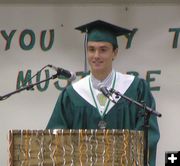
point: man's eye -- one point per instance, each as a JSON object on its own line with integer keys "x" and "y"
{"x": 103, "y": 49}
{"x": 91, "y": 49}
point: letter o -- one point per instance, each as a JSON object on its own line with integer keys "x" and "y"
{"x": 31, "y": 43}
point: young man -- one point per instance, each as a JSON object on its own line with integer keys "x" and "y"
{"x": 82, "y": 106}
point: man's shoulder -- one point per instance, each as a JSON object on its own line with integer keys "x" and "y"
{"x": 126, "y": 78}
{"x": 82, "y": 82}
{"x": 136, "y": 79}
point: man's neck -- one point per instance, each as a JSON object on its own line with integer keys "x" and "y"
{"x": 107, "y": 81}
{"x": 101, "y": 76}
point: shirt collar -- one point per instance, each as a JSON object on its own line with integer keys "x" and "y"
{"x": 106, "y": 82}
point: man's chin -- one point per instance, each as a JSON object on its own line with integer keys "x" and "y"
{"x": 97, "y": 69}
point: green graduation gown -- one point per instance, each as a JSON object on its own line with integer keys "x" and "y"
{"x": 75, "y": 109}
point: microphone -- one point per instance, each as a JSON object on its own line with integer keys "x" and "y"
{"x": 106, "y": 92}
{"x": 60, "y": 71}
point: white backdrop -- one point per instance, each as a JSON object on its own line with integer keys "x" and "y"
{"x": 151, "y": 49}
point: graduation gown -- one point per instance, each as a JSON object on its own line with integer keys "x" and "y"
{"x": 75, "y": 109}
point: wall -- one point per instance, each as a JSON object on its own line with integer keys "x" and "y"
{"x": 151, "y": 49}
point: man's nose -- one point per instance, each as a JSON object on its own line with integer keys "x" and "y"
{"x": 96, "y": 54}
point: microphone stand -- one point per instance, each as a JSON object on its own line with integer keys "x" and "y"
{"x": 28, "y": 87}
{"x": 147, "y": 113}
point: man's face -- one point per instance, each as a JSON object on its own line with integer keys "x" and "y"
{"x": 100, "y": 56}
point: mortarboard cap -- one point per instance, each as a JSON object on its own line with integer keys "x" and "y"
{"x": 102, "y": 31}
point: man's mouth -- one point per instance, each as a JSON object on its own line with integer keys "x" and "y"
{"x": 97, "y": 62}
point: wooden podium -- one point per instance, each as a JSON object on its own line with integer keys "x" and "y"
{"x": 75, "y": 148}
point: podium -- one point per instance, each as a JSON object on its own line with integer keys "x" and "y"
{"x": 64, "y": 147}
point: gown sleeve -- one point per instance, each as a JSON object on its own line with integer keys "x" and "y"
{"x": 144, "y": 94}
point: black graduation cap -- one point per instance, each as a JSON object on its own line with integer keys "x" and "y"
{"x": 102, "y": 31}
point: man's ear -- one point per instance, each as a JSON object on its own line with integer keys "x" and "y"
{"x": 115, "y": 53}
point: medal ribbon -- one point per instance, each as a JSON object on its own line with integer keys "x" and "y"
{"x": 106, "y": 108}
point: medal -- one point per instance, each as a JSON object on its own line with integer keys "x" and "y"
{"x": 102, "y": 124}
